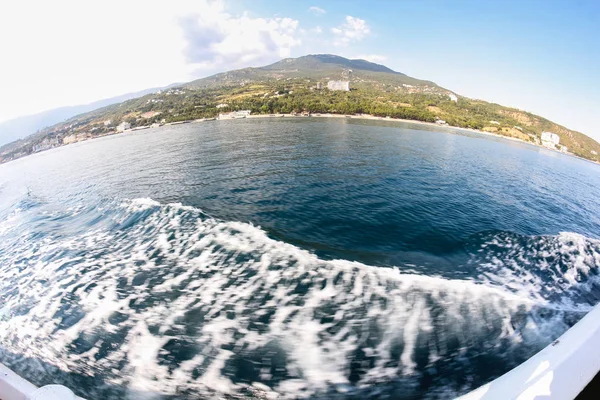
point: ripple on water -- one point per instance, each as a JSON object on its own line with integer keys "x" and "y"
{"x": 164, "y": 299}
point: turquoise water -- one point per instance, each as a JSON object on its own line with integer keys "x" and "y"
{"x": 298, "y": 257}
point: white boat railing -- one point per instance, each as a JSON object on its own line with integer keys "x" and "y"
{"x": 560, "y": 371}
{"x": 13, "y": 387}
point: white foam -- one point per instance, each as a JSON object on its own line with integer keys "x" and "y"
{"x": 10, "y": 221}
{"x": 221, "y": 267}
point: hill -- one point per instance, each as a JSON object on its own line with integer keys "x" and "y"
{"x": 292, "y": 86}
{"x": 21, "y": 127}
{"x": 314, "y": 67}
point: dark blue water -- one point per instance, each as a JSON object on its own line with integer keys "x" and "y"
{"x": 299, "y": 258}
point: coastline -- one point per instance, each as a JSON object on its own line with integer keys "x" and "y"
{"x": 366, "y": 117}
{"x": 408, "y": 121}
{"x": 411, "y": 121}
{"x": 416, "y": 122}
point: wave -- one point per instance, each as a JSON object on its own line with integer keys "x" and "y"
{"x": 165, "y": 299}
{"x": 561, "y": 268}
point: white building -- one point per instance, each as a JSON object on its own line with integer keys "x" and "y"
{"x": 222, "y": 105}
{"x": 235, "y": 114}
{"x": 453, "y": 97}
{"x": 123, "y": 126}
{"x": 550, "y": 140}
{"x": 339, "y": 85}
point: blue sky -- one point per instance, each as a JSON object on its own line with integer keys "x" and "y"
{"x": 540, "y": 56}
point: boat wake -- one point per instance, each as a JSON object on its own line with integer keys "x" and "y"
{"x": 165, "y": 300}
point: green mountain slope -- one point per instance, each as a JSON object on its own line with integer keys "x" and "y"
{"x": 318, "y": 66}
{"x": 290, "y": 86}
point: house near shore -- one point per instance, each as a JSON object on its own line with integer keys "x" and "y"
{"x": 235, "y": 114}
{"x": 550, "y": 140}
{"x": 123, "y": 126}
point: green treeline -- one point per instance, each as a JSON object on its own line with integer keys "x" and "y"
{"x": 300, "y": 95}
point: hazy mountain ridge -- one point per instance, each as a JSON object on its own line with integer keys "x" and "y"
{"x": 21, "y": 127}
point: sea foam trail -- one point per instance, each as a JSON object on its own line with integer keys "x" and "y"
{"x": 546, "y": 267}
{"x": 164, "y": 300}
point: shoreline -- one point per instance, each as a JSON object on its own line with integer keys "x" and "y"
{"x": 376, "y": 118}
{"x": 369, "y": 117}
{"x": 366, "y": 117}
{"x": 408, "y": 121}
{"x": 416, "y": 122}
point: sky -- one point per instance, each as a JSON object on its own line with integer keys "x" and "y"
{"x": 539, "y": 56}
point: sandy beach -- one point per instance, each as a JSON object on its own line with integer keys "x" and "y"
{"x": 414, "y": 122}
{"x": 375, "y": 118}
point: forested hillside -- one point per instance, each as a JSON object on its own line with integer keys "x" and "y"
{"x": 291, "y": 86}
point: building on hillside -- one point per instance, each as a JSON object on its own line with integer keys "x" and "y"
{"x": 453, "y": 97}
{"x": 319, "y": 85}
{"x": 235, "y": 114}
{"x": 108, "y": 122}
{"x": 339, "y": 85}
{"x": 222, "y": 105}
{"x": 123, "y": 126}
{"x": 550, "y": 140}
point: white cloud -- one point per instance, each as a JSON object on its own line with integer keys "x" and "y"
{"x": 376, "y": 58}
{"x": 71, "y": 52}
{"x": 354, "y": 29}
{"x": 316, "y": 10}
{"x": 317, "y": 30}
{"x": 220, "y": 39}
